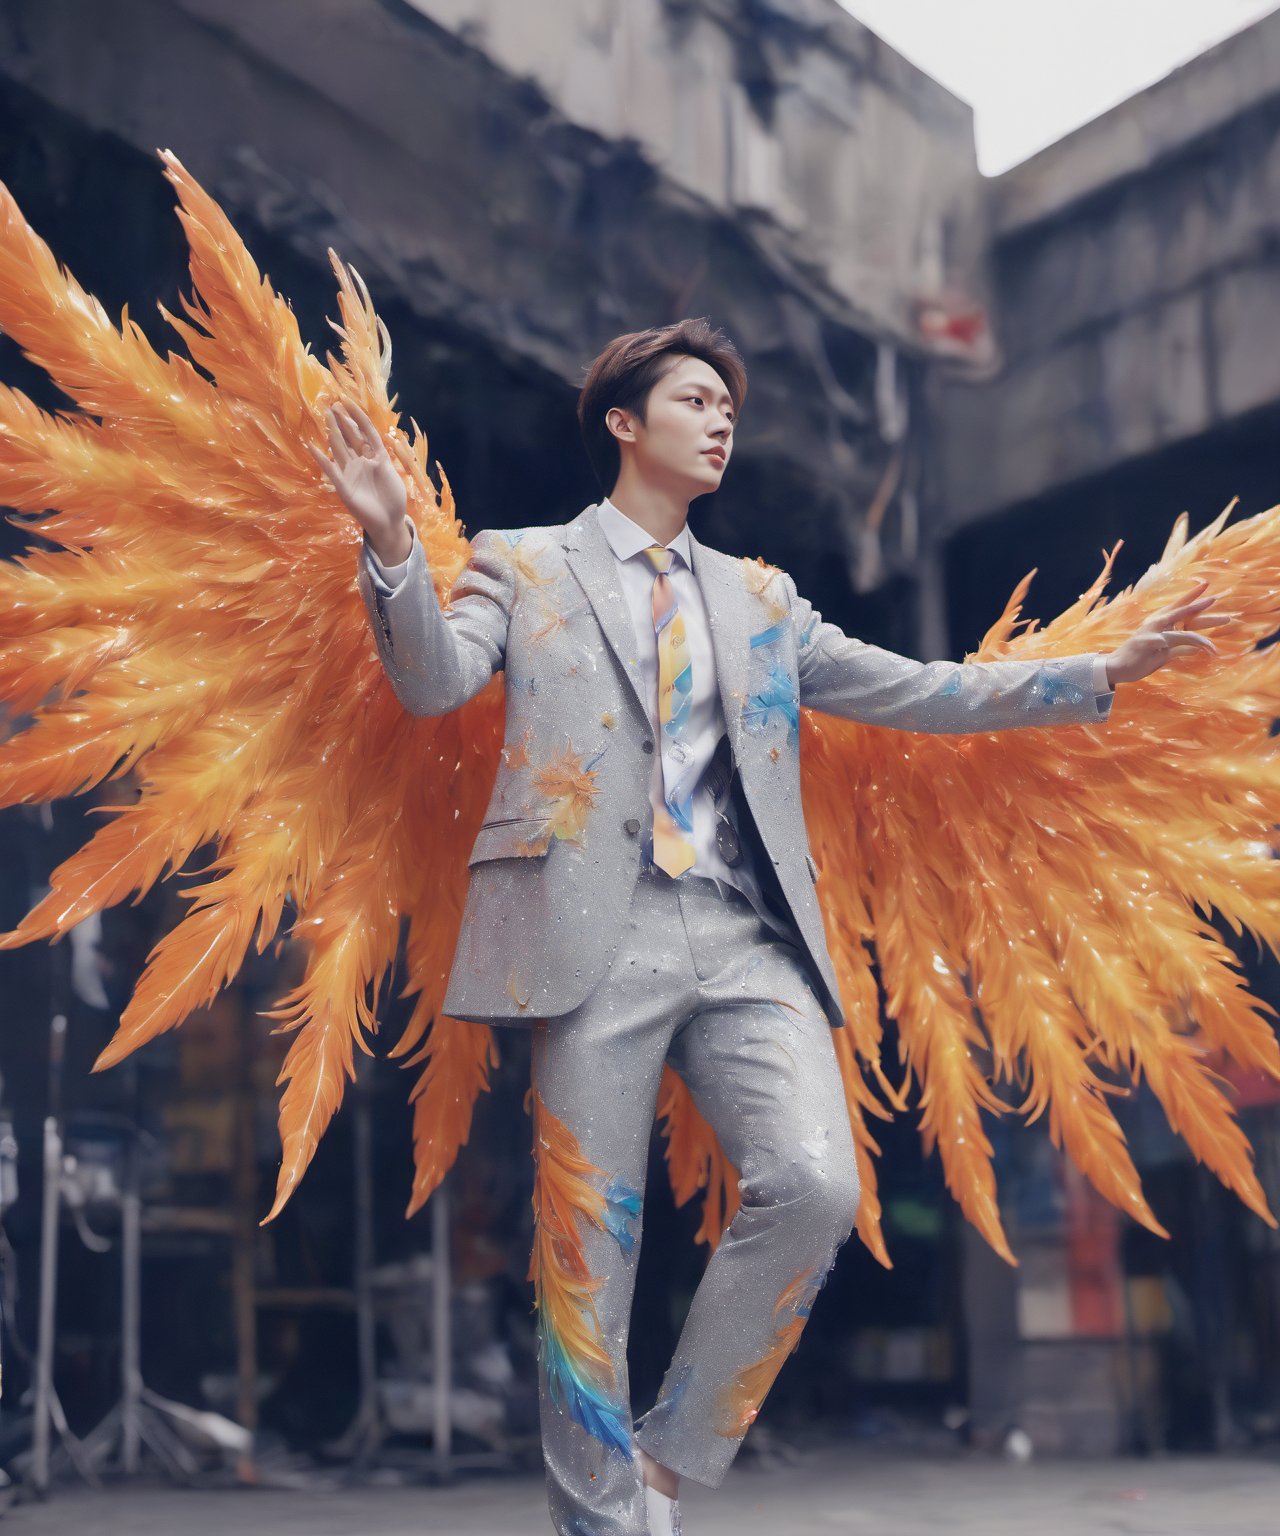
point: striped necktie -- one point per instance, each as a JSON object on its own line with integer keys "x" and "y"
{"x": 673, "y": 848}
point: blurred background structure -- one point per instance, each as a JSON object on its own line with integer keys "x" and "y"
{"x": 954, "y": 379}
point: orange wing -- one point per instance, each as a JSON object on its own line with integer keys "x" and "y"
{"x": 1030, "y": 897}
{"x": 1034, "y": 898}
{"x": 199, "y": 623}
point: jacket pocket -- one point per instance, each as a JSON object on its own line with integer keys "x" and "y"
{"x": 512, "y": 837}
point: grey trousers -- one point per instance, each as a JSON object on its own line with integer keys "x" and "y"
{"x": 699, "y": 980}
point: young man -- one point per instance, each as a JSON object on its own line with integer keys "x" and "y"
{"x": 642, "y": 891}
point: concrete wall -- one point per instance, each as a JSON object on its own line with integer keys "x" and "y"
{"x": 1136, "y": 265}
{"x": 519, "y": 183}
{"x": 855, "y": 169}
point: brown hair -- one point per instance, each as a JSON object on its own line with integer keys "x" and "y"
{"x": 631, "y": 365}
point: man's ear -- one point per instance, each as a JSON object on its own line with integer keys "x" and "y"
{"x": 620, "y": 424}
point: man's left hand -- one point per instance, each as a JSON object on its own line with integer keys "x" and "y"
{"x": 1159, "y": 639}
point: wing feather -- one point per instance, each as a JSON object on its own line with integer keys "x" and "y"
{"x": 1033, "y": 906}
{"x": 196, "y": 624}
{"x": 1038, "y": 901}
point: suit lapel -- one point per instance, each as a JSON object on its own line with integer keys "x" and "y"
{"x": 591, "y": 559}
{"x": 726, "y": 600}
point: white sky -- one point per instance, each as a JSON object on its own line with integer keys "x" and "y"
{"x": 1035, "y": 69}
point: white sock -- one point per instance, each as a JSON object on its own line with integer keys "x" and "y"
{"x": 663, "y": 1513}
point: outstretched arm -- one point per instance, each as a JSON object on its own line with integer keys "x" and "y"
{"x": 437, "y": 658}
{"x": 843, "y": 676}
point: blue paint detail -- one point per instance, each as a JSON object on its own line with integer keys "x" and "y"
{"x": 681, "y": 1383}
{"x": 768, "y": 636}
{"x": 585, "y": 1402}
{"x": 951, "y": 686}
{"x": 682, "y": 812}
{"x": 513, "y": 535}
{"x": 777, "y": 696}
{"x": 817, "y": 1285}
{"x": 808, "y": 630}
{"x": 673, "y": 1389}
{"x": 681, "y": 702}
{"x": 623, "y": 1206}
{"x": 813, "y": 1288}
{"x": 1057, "y": 688}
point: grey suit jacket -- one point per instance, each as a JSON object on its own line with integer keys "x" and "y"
{"x": 556, "y": 857}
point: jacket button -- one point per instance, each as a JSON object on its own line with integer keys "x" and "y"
{"x": 646, "y": 745}
{"x": 631, "y": 826}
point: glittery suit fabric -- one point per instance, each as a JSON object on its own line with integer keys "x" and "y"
{"x": 698, "y": 981}
{"x": 618, "y": 968}
{"x": 561, "y": 839}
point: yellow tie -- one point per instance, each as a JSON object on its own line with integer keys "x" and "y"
{"x": 673, "y": 848}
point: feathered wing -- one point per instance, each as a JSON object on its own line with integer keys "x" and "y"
{"x": 1030, "y": 899}
{"x": 1037, "y": 901}
{"x": 199, "y": 623}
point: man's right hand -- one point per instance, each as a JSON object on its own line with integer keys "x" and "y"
{"x": 367, "y": 481}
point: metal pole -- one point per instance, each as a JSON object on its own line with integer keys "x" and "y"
{"x": 131, "y": 1312}
{"x": 245, "y": 1239}
{"x": 441, "y": 1344}
{"x": 48, "y": 1258}
{"x": 365, "y": 1334}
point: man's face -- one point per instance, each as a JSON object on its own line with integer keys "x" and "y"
{"x": 685, "y": 441}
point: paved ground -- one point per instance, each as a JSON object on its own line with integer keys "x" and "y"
{"x": 821, "y": 1494}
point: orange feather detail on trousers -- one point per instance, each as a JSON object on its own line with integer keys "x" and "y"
{"x": 739, "y": 1400}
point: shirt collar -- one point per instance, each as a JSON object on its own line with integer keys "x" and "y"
{"x": 627, "y": 538}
